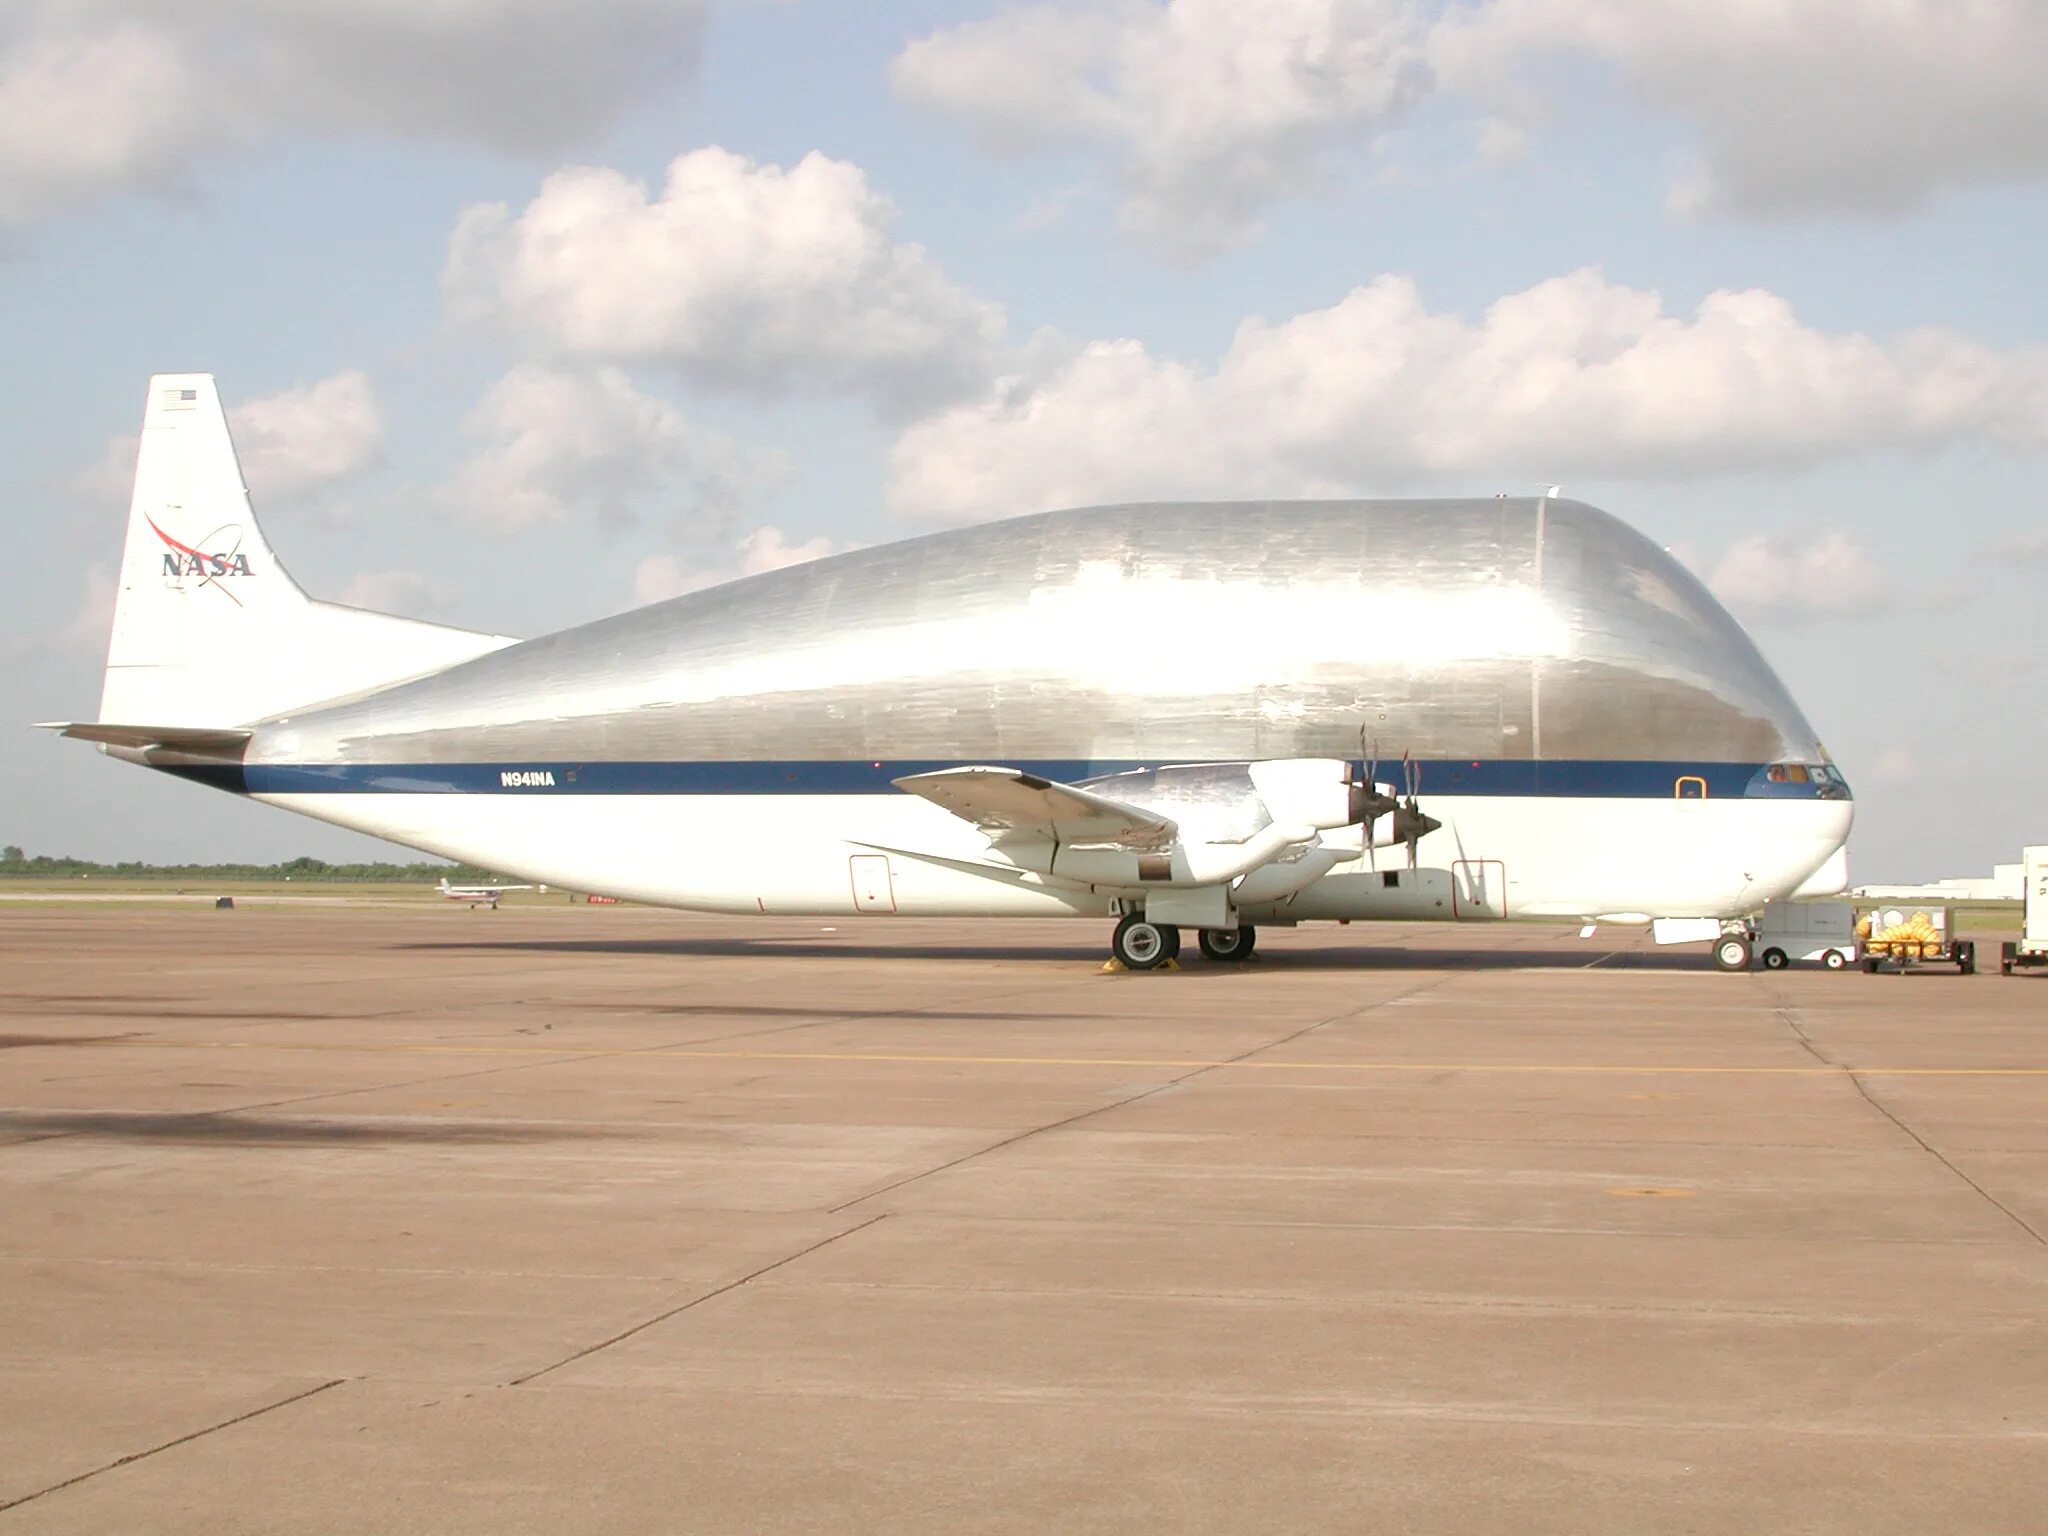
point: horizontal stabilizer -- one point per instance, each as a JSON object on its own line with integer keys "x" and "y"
{"x": 206, "y": 741}
{"x": 1006, "y": 801}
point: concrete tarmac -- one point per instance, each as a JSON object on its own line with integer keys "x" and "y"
{"x": 611, "y": 1220}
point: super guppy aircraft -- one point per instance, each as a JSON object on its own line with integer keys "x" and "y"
{"x": 1205, "y": 715}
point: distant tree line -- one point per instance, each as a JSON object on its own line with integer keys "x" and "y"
{"x": 15, "y": 862}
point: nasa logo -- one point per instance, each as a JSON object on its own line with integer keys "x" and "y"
{"x": 526, "y": 778}
{"x": 236, "y": 564}
{"x": 182, "y": 563}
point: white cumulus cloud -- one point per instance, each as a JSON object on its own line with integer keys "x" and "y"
{"x": 82, "y": 112}
{"x": 1800, "y": 106}
{"x": 299, "y": 439}
{"x": 658, "y": 577}
{"x": 2030, "y": 548}
{"x": 98, "y": 96}
{"x": 1208, "y": 109}
{"x": 735, "y": 273}
{"x": 1572, "y": 378}
{"x": 1800, "y": 576}
{"x": 397, "y": 590}
{"x": 292, "y": 444}
{"x": 565, "y": 444}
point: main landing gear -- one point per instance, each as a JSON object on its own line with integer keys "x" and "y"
{"x": 1231, "y": 944}
{"x": 1139, "y": 945}
{"x": 1142, "y": 945}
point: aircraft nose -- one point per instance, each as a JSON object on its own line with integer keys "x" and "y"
{"x": 1814, "y": 857}
{"x": 1830, "y": 879}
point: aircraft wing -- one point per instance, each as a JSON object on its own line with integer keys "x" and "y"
{"x": 1003, "y": 801}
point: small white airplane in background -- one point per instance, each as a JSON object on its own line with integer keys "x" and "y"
{"x": 479, "y": 895}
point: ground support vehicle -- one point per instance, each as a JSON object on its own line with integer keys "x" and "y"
{"x": 1820, "y": 931}
{"x": 2031, "y": 948}
{"x": 1823, "y": 931}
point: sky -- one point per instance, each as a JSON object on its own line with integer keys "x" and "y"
{"x": 526, "y": 313}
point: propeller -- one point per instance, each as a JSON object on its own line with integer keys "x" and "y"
{"x": 1411, "y": 825}
{"x": 1368, "y": 802}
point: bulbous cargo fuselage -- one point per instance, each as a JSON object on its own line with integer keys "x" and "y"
{"x": 1593, "y": 731}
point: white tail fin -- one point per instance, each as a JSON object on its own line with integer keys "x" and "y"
{"x": 208, "y": 628}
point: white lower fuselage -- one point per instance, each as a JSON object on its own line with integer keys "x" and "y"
{"x": 1549, "y": 858}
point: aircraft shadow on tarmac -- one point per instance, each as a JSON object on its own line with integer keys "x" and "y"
{"x": 227, "y": 1129}
{"x": 1360, "y": 958}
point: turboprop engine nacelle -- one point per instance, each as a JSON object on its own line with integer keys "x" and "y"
{"x": 1318, "y": 791}
{"x": 1390, "y": 828}
{"x": 1295, "y": 871}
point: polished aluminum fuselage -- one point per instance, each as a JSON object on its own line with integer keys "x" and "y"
{"x": 1551, "y": 669}
{"x": 1495, "y": 629}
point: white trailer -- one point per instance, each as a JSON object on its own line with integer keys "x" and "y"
{"x": 2032, "y": 947}
{"x": 1807, "y": 930}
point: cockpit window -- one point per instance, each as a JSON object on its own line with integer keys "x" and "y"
{"x": 1821, "y": 781}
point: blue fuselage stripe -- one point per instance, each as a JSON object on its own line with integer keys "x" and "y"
{"x": 1511, "y": 777}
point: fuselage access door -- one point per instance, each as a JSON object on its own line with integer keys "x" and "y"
{"x": 1479, "y": 889}
{"x": 873, "y": 889}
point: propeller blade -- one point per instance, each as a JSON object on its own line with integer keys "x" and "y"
{"x": 1412, "y": 824}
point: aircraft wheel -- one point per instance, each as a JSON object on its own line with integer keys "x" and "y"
{"x": 1732, "y": 953}
{"x": 1834, "y": 960}
{"x": 1966, "y": 958}
{"x": 1776, "y": 959}
{"x": 1139, "y": 945}
{"x": 1172, "y": 935}
{"x": 1232, "y": 944}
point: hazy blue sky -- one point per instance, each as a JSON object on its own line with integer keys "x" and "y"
{"x": 527, "y": 312}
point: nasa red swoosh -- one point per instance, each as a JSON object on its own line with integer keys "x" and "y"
{"x": 187, "y": 549}
{"x": 183, "y": 549}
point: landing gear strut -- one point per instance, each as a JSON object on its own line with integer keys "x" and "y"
{"x": 1232, "y": 944}
{"x": 1140, "y": 945}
